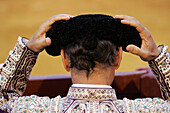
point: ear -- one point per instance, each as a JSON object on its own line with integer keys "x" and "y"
{"x": 65, "y": 60}
{"x": 118, "y": 58}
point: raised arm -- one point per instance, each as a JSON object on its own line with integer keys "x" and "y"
{"x": 159, "y": 60}
{"x": 158, "y": 57}
{"x": 14, "y": 73}
{"x": 161, "y": 69}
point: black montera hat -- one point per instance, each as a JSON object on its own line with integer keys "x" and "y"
{"x": 102, "y": 27}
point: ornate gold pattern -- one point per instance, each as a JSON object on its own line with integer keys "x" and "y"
{"x": 14, "y": 75}
{"x": 161, "y": 69}
{"x": 92, "y": 94}
{"x": 147, "y": 105}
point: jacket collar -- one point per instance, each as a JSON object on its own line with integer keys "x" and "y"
{"x": 91, "y": 92}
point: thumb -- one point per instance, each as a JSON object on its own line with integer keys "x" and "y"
{"x": 135, "y": 50}
{"x": 44, "y": 42}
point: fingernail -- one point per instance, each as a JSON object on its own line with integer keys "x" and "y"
{"x": 48, "y": 41}
{"x": 129, "y": 49}
{"x": 123, "y": 21}
{"x": 71, "y": 16}
{"x": 115, "y": 16}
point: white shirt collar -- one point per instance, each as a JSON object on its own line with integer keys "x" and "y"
{"x": 91, "y": 86}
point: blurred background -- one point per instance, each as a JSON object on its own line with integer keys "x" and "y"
{"x": 22, "y": 18}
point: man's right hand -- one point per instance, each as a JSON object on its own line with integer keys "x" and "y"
{"x": 148, "y": 50}
{"x": 39, "y": 41}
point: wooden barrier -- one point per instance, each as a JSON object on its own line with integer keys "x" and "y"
{"x": 135, "y": 84}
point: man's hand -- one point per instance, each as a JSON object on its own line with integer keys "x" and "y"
{"x": 39, "y": 41}
{"x": 148, "y": 50}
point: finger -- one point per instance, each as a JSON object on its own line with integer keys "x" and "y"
{"x": 57, "y": 18}
{"x": 128, "y": 20}
{"x": 46, "y": 25}
{"x": 43, "y": 42}
{"x": 136, "y": 50}
{"x": 139, "y": 27}
{"x": 48, "y": 41}
{"x": 124, "y": 17}
{"x": 50, "y": 21}
{"x": 71, "y": 16}
{"x": 144, "y": 33}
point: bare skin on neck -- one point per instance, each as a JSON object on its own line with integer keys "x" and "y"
{"x": 101, "y": 74}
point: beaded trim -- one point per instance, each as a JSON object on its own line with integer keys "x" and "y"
{"x": 78, "y": 99}
{"x": 161, "y": 69}
{"x": 92, "y": 94}
{"x": 147, "y": 105}
{"x": 9, "y": 65}
{"x": 15, "y": 72}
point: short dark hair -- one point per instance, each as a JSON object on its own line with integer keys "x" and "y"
{"x": 85, "y": 54}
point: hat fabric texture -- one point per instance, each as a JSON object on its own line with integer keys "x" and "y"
{"x": 90, "y": 27}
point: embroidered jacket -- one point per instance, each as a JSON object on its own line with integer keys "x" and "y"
{"x": 16, "y": 69}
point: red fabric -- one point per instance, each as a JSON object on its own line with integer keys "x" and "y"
{"x": 136, "y": 84}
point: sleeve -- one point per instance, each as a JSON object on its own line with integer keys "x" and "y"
{"x": 15, "y": 71}
{"x": 147, "y": 105}
{"x": 161, "y": 69}
{"x": 33, "y": 104}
